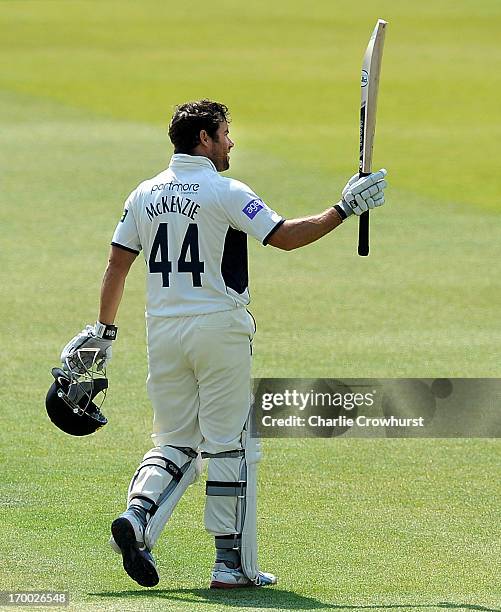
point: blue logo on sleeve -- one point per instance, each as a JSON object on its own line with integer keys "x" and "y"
{"x": 252, "y": 208}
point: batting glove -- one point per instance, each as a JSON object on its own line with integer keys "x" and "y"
{"x": 92, "y": 346}
{"x": 362, "y": 194}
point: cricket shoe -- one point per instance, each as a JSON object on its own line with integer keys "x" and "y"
{"x": 138, "y": 525}
{"x": 137, "y": 560}
{"x": 224, "y": 577}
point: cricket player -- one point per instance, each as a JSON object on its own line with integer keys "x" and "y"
{"x": 191, "y": 225}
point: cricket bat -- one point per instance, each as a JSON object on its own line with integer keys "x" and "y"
{"x": 371, "y": 68}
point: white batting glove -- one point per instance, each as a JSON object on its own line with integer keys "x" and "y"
{"x": 92, "y": 346}
{"x": 362, "y": 194}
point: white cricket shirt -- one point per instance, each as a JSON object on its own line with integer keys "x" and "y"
{"x": 192, "y": 225}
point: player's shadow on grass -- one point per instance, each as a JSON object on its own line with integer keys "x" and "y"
{"x": 273, "y": 598}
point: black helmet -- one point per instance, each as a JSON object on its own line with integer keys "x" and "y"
{"x": 70, "y": 404}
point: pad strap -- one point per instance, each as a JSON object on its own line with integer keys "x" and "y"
{"x": 148, "y": 504}
{"x": 224, "y": 454}
{"x": 186, "y": 450}
{"x": 169, "y": 467}
{"x": 228, "y": 541}
{"x": 231, "y": 489}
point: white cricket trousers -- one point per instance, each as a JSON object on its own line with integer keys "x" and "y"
{"x": 199, "y": 371}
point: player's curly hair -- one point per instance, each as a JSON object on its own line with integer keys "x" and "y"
{"x": 190, "y": 118}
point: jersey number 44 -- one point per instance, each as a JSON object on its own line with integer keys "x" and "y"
{"x": 159, "y": 262}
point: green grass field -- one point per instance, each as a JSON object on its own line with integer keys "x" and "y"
{"x": 86, "y": 92}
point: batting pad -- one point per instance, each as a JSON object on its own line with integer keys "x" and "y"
{"x": 230, "y": 510}
{"x": 158, "y": 484}
{"x": 249, "y": 532}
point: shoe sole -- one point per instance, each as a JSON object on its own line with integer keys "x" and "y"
{"x": 225, "y": 585}
{"x": 135, "y": 564}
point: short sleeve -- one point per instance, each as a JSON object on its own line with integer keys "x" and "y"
{"x": 248, "y": 213}
{"x": 126, "y": 235}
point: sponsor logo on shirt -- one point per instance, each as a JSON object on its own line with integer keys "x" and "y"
{"x": 253, "y": 207}
{"x": 173, "y": 186}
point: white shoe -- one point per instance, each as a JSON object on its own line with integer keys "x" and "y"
{"x": 224, "y": 577}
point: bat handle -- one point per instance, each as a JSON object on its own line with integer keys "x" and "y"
{"x": 363, "y": 229}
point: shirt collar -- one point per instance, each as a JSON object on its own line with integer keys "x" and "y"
{"x": 182, "y": 159}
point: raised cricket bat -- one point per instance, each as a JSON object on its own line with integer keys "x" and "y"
{"x": 371, "y": 68}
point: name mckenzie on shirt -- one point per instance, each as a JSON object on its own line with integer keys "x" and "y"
{"x": 173, "y": 204}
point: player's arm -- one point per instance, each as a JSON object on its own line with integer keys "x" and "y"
{"x": 295, "y": 233}
{"x": 100, "y": 336}
{"x": 119, "y": 263}
{"x": 359, "y": 195}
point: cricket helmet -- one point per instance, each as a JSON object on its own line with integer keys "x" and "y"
{"x": 70, "y": 402}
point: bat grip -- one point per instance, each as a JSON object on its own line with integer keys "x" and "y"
{"x": 363, "y": 229}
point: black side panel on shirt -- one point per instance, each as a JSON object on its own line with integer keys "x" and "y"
{"x": 234, "y": 262}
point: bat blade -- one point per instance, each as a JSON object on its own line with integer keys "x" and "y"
{"x": 371, "y": 68}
